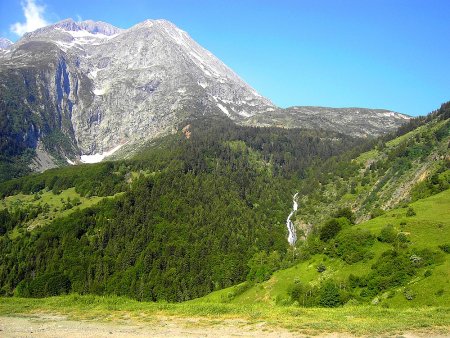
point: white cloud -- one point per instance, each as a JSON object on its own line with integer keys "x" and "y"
{"x": 34, "y": 18}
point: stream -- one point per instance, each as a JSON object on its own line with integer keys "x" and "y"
{"x": 292, "y": 238}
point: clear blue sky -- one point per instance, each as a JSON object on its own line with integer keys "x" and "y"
{"x": 392, "y": 54}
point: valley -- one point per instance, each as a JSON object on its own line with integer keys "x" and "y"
{"x": 147, "y": 190}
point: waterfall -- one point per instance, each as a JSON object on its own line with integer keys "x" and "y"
{"x": 292, "y": 238}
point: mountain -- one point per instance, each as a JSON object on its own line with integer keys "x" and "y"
{"x": 374, "y": 228}
{"x": 358, "y": 122}
{"x": 5, "y": 43}
{"x": 79, "y": 91}
{"x": 206, "y": 208}
{"x": 179, "y": 219}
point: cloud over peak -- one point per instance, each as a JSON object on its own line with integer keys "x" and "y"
{"x": 34, "y": 18}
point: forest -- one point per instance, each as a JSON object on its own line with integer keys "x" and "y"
{"x": 188, "y": 215}
{"x": 193, "y": 213}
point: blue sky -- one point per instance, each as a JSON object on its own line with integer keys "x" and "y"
{"x": 392, "y": 54}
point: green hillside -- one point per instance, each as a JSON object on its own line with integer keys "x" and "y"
{"x": 179, "y": 220}
{"x": 200, "y": 212}
{"x": 423, "y": 239}
{"x": 412, "y": 166}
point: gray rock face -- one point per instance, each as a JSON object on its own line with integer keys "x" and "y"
{"x": 358, "y": 122}
{"x": 108, "y": 87}
{"x": 5, "y": 43}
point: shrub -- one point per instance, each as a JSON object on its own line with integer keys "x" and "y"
{"x": 296, "y": 292}
{"x": 352, "y": 245}
{"x": 410, "y": 212}
{"x": 376, "y": 212}
{"x": 346, "y": 213}
{"x": 321, "y": 268}
{"x": 387, "y": 234}
{"x": 445, "y": 247}
{"x": 409, "y": 294}
{"x": 331, "y": 228}
{"x": 354, "y": 281}
{"x": 391, "y": 269}
{"x": 329, "y": 295}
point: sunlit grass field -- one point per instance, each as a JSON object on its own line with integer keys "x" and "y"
{"x": 429, "y": 228}
{"x": 359, "y": 320}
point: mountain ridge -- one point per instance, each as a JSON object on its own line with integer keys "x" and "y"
{"x": 95, "y": 87}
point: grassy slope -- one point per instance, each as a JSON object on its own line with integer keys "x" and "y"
{"x": 374, "y": 188}
{"x": 428, "y": 229}
{"x": 55, "y": 202}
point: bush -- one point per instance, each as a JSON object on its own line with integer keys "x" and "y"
{"x": 354, "y": 281}
{"x": 391, "y": 269}
{"x": 428, "y": 257}
{"x": 409, "y": 294}
{"x": 387, "y": 234}
{"x": 410, "y": 212}
{"x": 376, "y": 213}
{"x": 296, "y": 292}
{"x": 445, "y": 247}
{"x": 331, "y": 228}
{"x": 329, "y": 295}
{"x": 321, "y": 268}
{"x": 352, "y": 245}
{"x": 345, "y": 213}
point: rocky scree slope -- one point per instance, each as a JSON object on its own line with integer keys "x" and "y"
{"x": 358, "y": 122}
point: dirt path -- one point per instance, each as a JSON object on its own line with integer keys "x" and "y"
{"x": 44, "y": 325}
{"x": 59, "y": 326}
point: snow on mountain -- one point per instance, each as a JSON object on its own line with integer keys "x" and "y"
{"x": 108, "y": 86}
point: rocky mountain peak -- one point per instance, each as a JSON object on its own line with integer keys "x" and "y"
{"x": 5, "y": 43}
{"x": 103, "y": 87}
{"x": 70, "y": 25}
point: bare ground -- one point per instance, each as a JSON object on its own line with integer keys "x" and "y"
{"x": 60, "y": 326}
{"x": 52, "y": 326}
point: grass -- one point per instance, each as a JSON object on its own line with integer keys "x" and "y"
{"x": 55, "y": 202}
{"x": 429, "y": 228}
{"x": 427, "y": 314}
{"x": 361, "y": 320}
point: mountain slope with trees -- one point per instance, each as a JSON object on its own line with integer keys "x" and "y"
{"x": 189, "y": 212}
{"x": 205, "y": 209}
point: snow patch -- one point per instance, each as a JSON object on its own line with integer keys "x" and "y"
{"x": 85, "y": 34}
{"x": 244, "y": 113}
{"x": 395, "y": 115}
{"x": 65, "y": 46}
{"x": 93, "y": 73}
{"x": 225, "y": 110}
{"x": 388, "y": 114}
{"x": 100, "y": 91}
{"x": 99, "y": 157}
{"x": 70, "y": 162}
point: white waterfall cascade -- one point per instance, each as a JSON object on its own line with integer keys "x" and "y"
{"x": 292, "y": 238}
